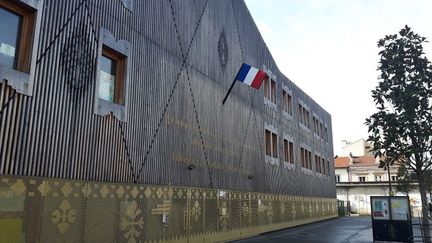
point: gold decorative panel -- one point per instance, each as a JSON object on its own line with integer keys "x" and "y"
{"x": 54, "y": 210}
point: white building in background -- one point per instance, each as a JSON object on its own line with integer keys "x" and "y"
{"x": 358, "y": 177}
{"x": 360, "y": 147}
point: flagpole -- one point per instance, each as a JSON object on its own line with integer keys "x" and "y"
{"x": 229, "y": 91}
{"x": 231, "y": 87}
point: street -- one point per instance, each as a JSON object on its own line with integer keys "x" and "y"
{"x": 343, "y": 229}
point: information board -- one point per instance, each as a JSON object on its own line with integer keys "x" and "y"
{"x": 380, "y": 208}
{"x": 399, "y": 208}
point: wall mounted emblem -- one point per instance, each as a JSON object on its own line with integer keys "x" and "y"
{"x": 223, "y": 49}
{"x": 77, "y": 57}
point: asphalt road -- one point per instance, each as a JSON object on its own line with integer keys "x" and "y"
{"x": 344, "y": 229}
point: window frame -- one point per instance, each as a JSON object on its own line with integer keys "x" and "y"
{"x": 107, "y": 43}
{"x": 21, "y": 77}
{"x": 271, "y": 145}
{"x": 120, "y": 73}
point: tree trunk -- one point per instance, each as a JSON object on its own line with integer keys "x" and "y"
{"x": 425, "y": 211}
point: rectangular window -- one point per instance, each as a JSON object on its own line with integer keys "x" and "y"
{"x": 270, "y": 90}
{"x": 322, "y": 163}
{"x": 324, "y": 167}
{"x": 394, "y": 178}
{"x": 291, "y": 152}
{"x": 273, "y": 91}
{"x": 289, "y": 104}
{"x": 306, "y": 158}
{"x": 328, "y": 168}
{"x": 337, "y": 178}
{"x": 274, "y": 145}
{"x": 326, "y": 135}
{"x": 378, "y": 178}
{"x": 321, "y": 133}
{"x": 112, "y": 74}
{"x": 271, "y": 144}
{"x": 284, "y": 101}
{"x": 288, "y": 151}
{"x": 362, "y": 179}
{"x": 17, "y": 23}
{"x": 267, "y": 88}
{"x": 268, "y": 142}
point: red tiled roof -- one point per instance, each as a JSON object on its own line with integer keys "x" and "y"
{"x": 344, "y": 162}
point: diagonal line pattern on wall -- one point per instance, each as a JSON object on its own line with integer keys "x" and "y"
{"x": 251, "y": 103}
{"x": 60, "y": 31}
{"x": 191, "y": 90}
{"x": 183, "y": 65}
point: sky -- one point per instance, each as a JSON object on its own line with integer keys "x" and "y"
{"x": 329, "y": 49}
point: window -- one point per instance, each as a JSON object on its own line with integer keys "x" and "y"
{"x": 271, "y": 144}
{"x": 270, "y": 90}
{"x": 362, "y": 179}
{"x": 268, "y": 142}
{"x": 17, "y": 23}
{"x": 328, "y": 168}
{"x": 337, "y": 178}
{"x": 378, "y": 178}
{"x": 323, "y": 165}
{"x": 112, "y": 72}
{"x": 318, "y": 163}
{"x": 306, "y": 158}
{"x": 321, "y": 133}
{"x": 326, "y": 134}
{"x": 112, "y": 76}
{"x": 19, "y": 33}
{"x": 394, "y": 178}
{"x": 304, "y": 116}
{"x": 288, "y": 151}
{"x": 274, "y": 145}
{"x": 286, "y": 102}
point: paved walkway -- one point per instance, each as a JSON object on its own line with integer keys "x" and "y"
{"x": 344, "y": 229}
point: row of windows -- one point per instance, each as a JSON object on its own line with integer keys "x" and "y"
{"x": 271, "y": 145}
{"x": 306, "y": 158}
{"x": 363, "y": 178}
{"x": 319, "y": 129}
{"x": 287, "y": 107}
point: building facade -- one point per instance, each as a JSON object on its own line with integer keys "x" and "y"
{"x": 359, "y": 177}
{"x": 115, "y": 108}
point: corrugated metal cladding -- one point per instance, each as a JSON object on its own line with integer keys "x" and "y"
{"x": 175, "y": 117}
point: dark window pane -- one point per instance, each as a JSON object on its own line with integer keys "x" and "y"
{"x": 107, "y": 78}
{"x": 10, "y": 26}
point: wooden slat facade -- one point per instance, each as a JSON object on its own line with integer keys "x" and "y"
{"x": 175, "y": 114}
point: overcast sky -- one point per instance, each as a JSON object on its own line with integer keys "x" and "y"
{"x": 328, "y": 48}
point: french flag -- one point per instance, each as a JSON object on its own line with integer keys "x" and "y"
{"x": 251, "y": 76}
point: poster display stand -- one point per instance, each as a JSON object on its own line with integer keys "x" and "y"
{"x": 391, "y": 218}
